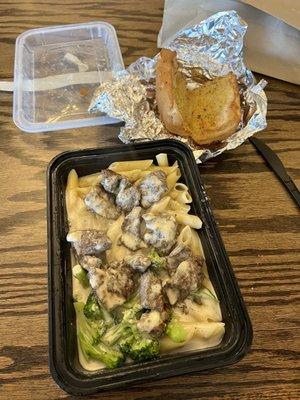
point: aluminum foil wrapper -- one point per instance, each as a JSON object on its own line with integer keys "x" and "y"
{"x": 215, "y": 47}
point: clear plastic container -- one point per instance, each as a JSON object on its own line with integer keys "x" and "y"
{"x": 57, "y": 70}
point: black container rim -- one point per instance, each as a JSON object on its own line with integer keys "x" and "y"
{"x": 232, "y": 352}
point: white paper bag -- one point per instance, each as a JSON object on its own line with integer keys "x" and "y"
{"x": 271, "y": 47}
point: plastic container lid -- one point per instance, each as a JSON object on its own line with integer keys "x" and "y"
{"x": 57, "y": 70}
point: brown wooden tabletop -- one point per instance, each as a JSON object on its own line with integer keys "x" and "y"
{"x": 258, "y": 221}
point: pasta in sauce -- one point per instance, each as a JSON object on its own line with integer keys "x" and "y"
{"x": 199, "y": 314}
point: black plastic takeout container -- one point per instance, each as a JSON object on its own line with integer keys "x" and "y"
{"x": 63, "y": 353}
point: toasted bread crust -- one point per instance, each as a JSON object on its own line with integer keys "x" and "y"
{"x": 208, "y": 113}
{"x": 169, "y": 113}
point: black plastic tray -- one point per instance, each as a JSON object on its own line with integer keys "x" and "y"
{"x": 64, "y": 362}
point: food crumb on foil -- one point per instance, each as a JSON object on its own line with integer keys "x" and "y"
{"x": 215, "y": 47}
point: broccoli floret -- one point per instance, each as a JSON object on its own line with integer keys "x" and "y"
{"x": 176, "y": 331}
{"x": 130, "y": 314}
{"x": 157, "y": 263}
{"x": 90, "y": 342}
{"x": 97, "y": 316}
{"x": 83, "y": 324}
{"x": 91, "y": 309}
{"x": 138, "y": 346}
{"x": 111, "y": 357}
{"x": 94, "y": 311}
{"x": 81, "y": 275}
{"x": 116, "y": 333}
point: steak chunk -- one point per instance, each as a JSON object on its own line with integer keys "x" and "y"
{"x": 91, "y": 242}
{"x": 152, "y": 187}
{"x": 128, "y": 196}
{"x": 138, "y": 262}
{"x": 110, "y": 181}
{"x": 160, "y": 231}
{"x": 98, "y": 201}
{"x": 112, "y": 285}
{"x": 151, "y": 292}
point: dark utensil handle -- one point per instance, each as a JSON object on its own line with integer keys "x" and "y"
{"x": 293, "y": 190}
{"x": 275, "y": 164}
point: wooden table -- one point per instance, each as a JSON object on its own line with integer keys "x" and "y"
{"x": 256, "y": 216}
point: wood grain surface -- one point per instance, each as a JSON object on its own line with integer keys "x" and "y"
{"x": 258, "y": 221}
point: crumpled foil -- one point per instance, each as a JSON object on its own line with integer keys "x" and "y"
{"x": 215, "y": 47}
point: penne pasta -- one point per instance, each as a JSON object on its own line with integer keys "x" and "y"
{"x": 117, "y": 252}
{"x": 181, "y": 316}
{"x": 208, "y": 331}
{"x": 176, "y": 206}
{"x": 184, "y": 198}
{"x": 160, "y": 206}
{"x": 181, "y": 194}
{"x": 207, "y": 283}
{"x": 71, "y": 200}
{"x": 133, "y": 175}
{"x": 181, "y": 187}
{"x": 72, "y": 180}
{"x": 167, "y": 345}
{"x": 172, "y": 178}
{"x": 162, "y": 159}
{"x": 115, "y": 229}
{"x": 180, "y": 197}
{"x": 83, "y": 191}
{"x": 71, "y": 193}
{"x": 167, "y": 170}
{"x": 208, "y": 311}
{"x": 130, "y": 165}
{"x": 187, "y": 219}
{"x": 89, "y": 180}
{"x": 196, "y": 244}
{"x": 185, "y": 236}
